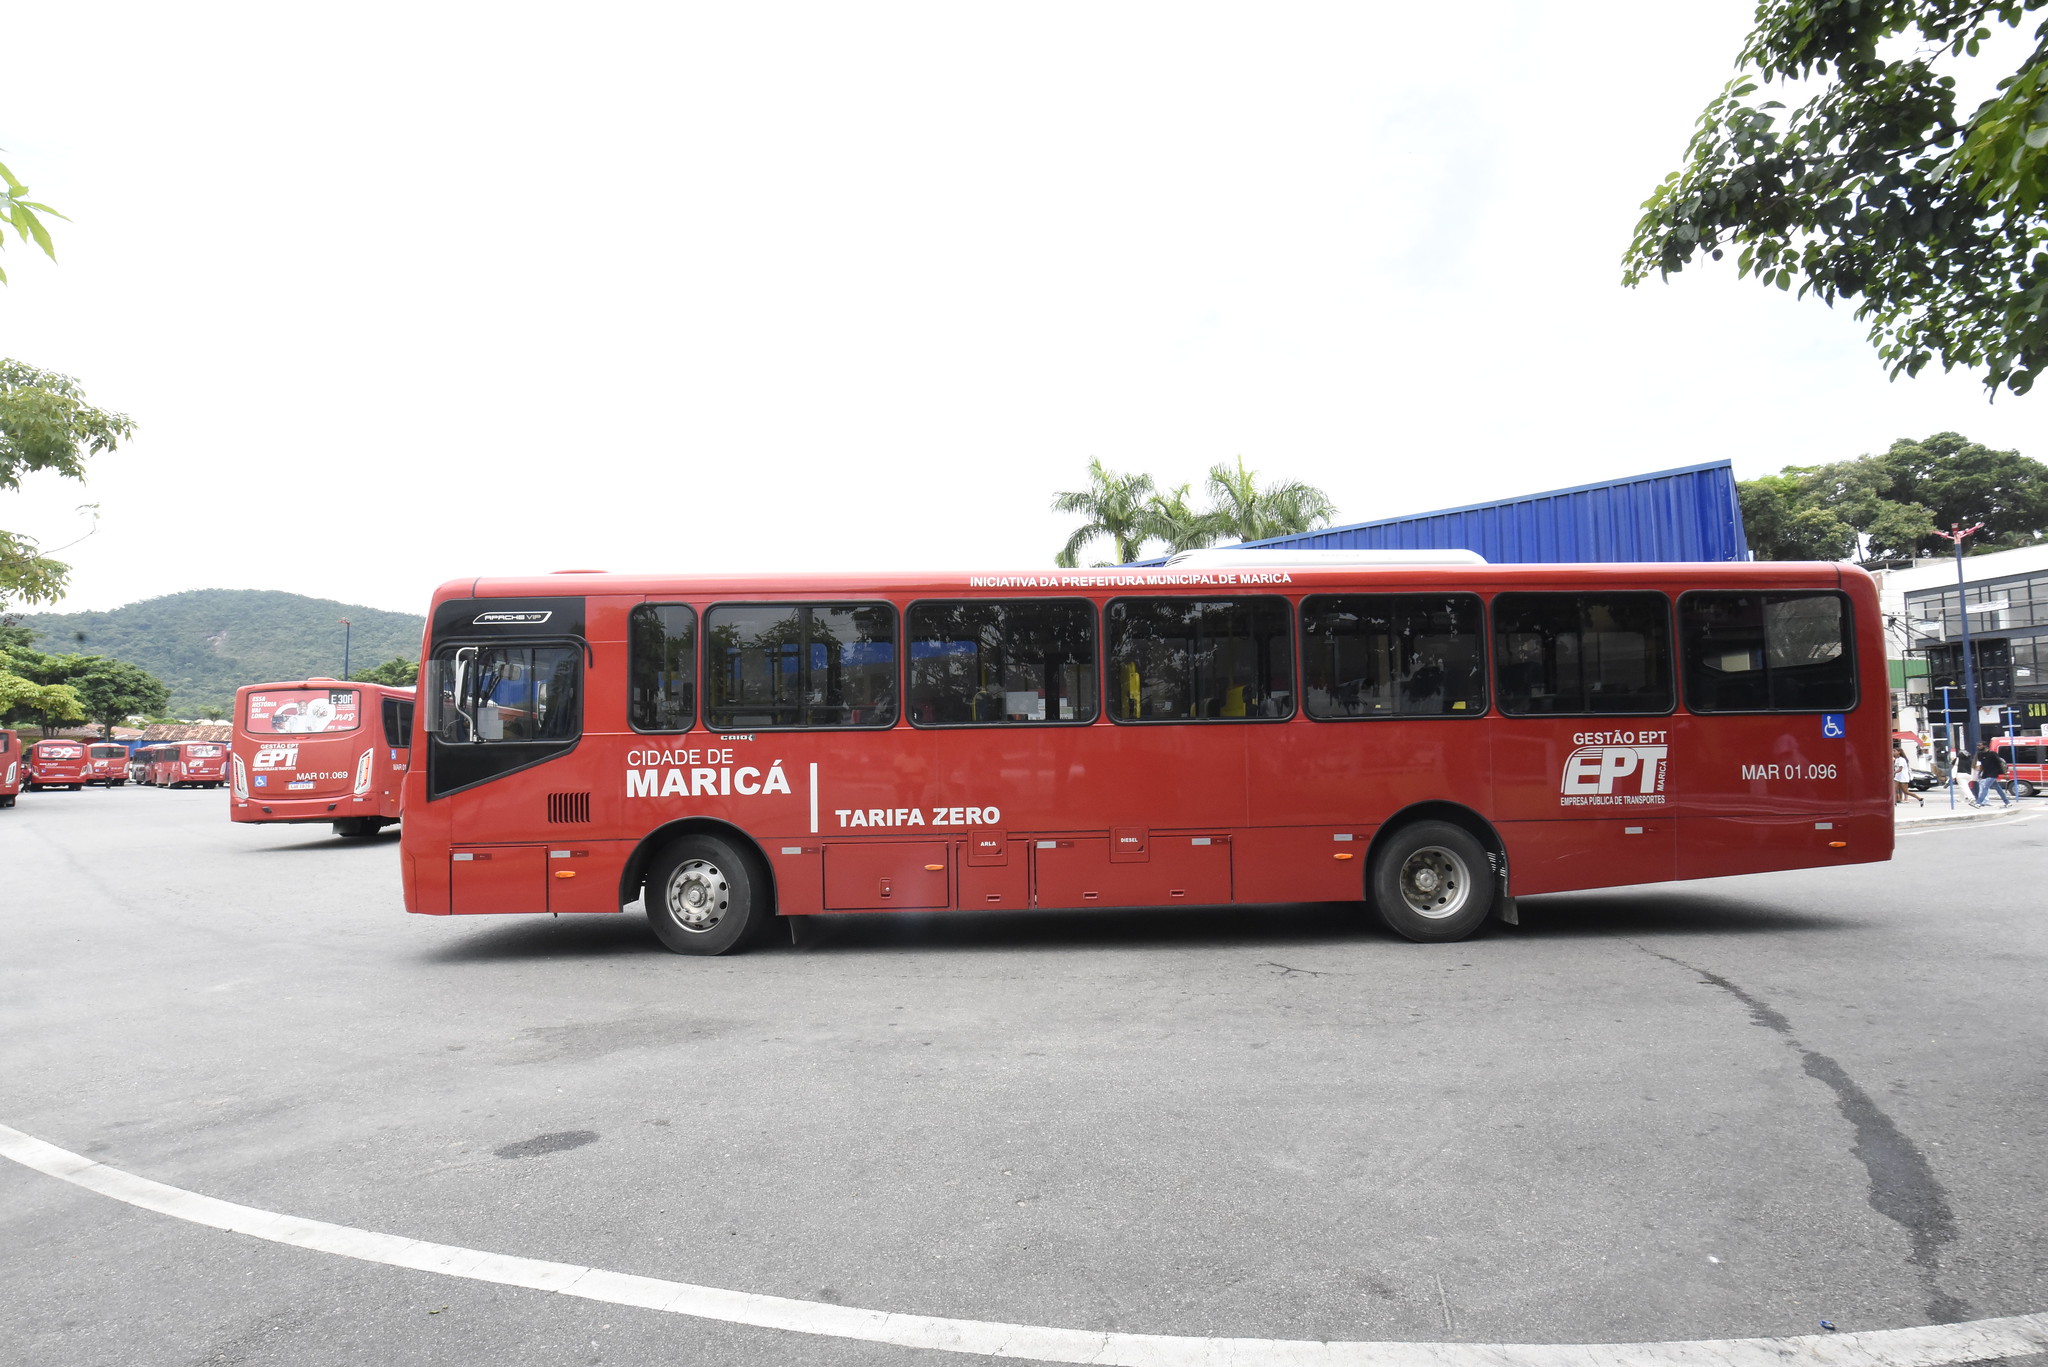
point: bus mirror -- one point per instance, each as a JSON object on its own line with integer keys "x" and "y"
{"x": 488, "y": 724}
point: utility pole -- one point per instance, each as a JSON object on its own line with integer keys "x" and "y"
{"x": 1956, "y": 533}
{"x": 346, "y": 629}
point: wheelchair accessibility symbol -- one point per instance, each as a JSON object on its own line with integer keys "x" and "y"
{"x": 1833, "y": 726}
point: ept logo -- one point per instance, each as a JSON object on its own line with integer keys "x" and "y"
{"x": 277, "y": 757}
{"x": 1614, "y": 775}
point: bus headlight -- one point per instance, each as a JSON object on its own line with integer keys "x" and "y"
{"x": 364, "y": 768}
{"x": 241, "y": 779}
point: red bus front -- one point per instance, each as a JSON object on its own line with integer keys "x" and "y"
{"x": 107, "y": 764}
{"x": 320, "y": 750}
{"x": 10, "y": 767}
{"x": 57, "y": 764}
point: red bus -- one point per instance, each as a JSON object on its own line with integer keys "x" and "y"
{"x": 320, "y": 750}
{"x": 2027, "y": 757}
{"x": 106, "y": 764}
{"x": 142, "y": 765}
{"x": 1431, "y": 740}
{"x": 189, "y": 764}
{"x": 10, "y": 767}
{"x": 57, "y": 764}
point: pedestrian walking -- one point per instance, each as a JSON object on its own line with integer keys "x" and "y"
{"x": 1959, "y": 773}
{"x": 1990, "y": 768}
{"x": 1902, "y": 778}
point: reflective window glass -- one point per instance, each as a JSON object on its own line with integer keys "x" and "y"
{"x": 662, "y": 667}
{"x": 1582, "y": 654}
{"x": 1767, "y": 652}
{"x": 492, "y": 694}
{"x": 1393, "y": 655}
{"x": 976, "y": 662}
{"x": 1200, "y": 659}
{"x": 799, "y": 665}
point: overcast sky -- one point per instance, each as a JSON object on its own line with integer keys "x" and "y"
{"x": 402, "y": 293}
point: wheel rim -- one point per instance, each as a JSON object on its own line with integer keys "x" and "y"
{"x": 1435, "y": 882}
{"x": 698, "y": 896}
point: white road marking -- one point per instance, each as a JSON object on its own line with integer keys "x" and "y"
{"x": 1930, "y": 1346}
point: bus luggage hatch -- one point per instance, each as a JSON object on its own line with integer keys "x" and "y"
{"x": 886, "y": 877}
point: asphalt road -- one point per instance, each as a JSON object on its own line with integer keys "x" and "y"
{"x": 1717, "y": 1109}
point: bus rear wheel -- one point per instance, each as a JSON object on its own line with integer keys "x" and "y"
{"x": 1432, "y": 883}
{"x": 351, "y": 827}
{"x": 704, "y": 896}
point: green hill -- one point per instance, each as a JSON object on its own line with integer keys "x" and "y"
{"x": 206, "y": 643}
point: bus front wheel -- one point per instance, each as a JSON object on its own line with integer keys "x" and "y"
{"x": 704, "y": 896}
{"x": 1432, "y": 883}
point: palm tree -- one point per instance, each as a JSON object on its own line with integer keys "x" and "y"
{"x": 1169, "y": 518}
{"x": 1250, "y": 513}
{"x": 1115, "y": 507}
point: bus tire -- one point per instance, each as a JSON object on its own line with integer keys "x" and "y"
{"x": 705, "y": 896}
{"x": 354, "y": 827}
{"x": 1432, "y": 883}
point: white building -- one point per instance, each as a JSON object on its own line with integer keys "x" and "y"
{"x": 2008, "y": 605}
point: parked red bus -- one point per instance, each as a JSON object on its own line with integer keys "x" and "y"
{"x": 10, "y": 767}
{"x": 189, "y": 764}
{"x": 142, "y": 765}
{"x": 1434, "y": 740}
{"x": 106, "y": 764}
{"x": 2027, "y": 757}
{"x": 57, "y": 764}
{"x": 320, "y": 750}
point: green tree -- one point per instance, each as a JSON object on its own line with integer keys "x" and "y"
{"x": 45, "y": 424}
{"x": 1249, "y": 513}
{"x": 1887, "y": 507}
{"x": 394, "y": 673}
{"x": 1169, "y": 517}
{"x": 20, "y": 212}
{"x": 114, "y": 690}
{"x": 1876, "y": 188}
{"x": 1115, "y": 506}
{"x": 35, "y": 686}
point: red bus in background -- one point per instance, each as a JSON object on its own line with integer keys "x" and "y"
{"x": 320, "y": 750}
{"x": 2027, "y": 757}
{"x": 57, "y": 764}
{"x": 1431, "y": 740}
{"x": 142, "y": 765}
{"x": 10, "y": 767}
{"x": 106, "y": 764}
{"x": 189, "y": 764}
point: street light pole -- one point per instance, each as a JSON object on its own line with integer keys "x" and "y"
{"x": 346, "y": 629}
{"x": 1956, "y": 533}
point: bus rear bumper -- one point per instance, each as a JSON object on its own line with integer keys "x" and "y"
{"x": 317, "y": 809}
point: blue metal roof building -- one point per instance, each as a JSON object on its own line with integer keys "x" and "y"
{"x": 1690, "y": 513}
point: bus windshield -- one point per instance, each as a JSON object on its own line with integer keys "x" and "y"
{"x": 301, "y": 711}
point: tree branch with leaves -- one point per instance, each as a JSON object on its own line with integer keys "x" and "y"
{"x": 1877, "y": 189}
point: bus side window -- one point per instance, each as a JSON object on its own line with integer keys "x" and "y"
{"x": 1582, "y": 654}
{"x": 487, "y": 695}
{"x": 983, "y": 662}
{"x": 1767, "y": 652}
{"x": 1197, "y": 659}
{"x": 397, "y": 723}
{"x": 776, "y": 665}
{"x": 662, "y": 675}
{"x": 1393, "y": 655}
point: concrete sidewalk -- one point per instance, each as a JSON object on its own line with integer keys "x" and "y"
{"x": 1938, "y": 809}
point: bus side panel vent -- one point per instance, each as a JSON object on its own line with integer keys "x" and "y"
{"x": 568, "y": 808}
